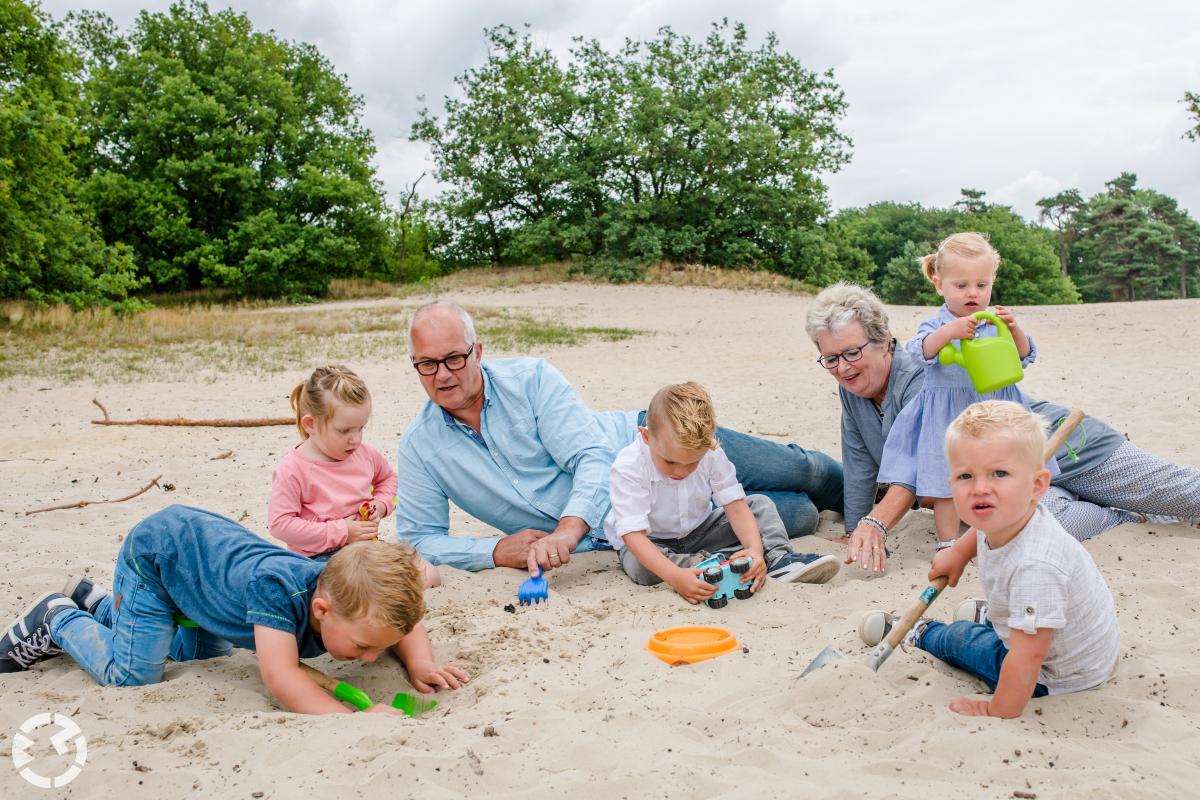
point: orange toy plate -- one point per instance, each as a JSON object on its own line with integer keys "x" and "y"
{"x": 691, "y": 643}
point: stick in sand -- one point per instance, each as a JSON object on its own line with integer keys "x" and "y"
{"x": 260, "y": 422}
{"x": 82, "y": 503}
{"x": 896, "y": 635}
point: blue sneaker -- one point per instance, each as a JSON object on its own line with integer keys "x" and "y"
{"x": 86, "y": 593}
{"x": 27, "y": 641}
{"x": 804, "y": 568}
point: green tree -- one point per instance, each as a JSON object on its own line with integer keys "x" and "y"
{"x": 972, "y": 202}
{"x": 1060, "y": 211}
{"x": 902, "y": 282}
{"x": 50, "y": 250}
{"x": 706, "y": 151}
{"x": 1192, "y": 100}
{"x": 1029, "y": 270}
{"x": 883, "y": 230}
{"x": 226, "y": 157}
{"x": 1135, "y": 244}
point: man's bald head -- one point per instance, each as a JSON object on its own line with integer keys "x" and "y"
{"x": 438, "y": 314}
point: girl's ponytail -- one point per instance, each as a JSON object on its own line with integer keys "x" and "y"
{"x": 295, "y": 399}
{"x": 929, "y": 266}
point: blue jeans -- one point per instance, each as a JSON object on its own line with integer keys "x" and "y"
{"x": 133, "y": 633}
{"x": 974, "y": 648}
{"x": 801, "y": 482}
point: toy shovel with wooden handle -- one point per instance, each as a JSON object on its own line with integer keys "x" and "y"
{"x": 903, "y": 625}
{"x": 410, "y": 705}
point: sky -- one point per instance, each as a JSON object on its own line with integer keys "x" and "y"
{"x": 1021, "y": 99}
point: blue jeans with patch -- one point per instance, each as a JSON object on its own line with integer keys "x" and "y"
{"x": 972, "y": 647}
{"x": 133, "y": 633}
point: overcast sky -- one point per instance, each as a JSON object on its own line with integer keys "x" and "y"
{"x": 1021, "y": 99}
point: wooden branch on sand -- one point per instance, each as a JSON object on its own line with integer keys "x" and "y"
{"x": 261, "y": 422}
{"x": 83, "y": 503}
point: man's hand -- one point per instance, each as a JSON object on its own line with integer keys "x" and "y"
{"x": 553, "y": 551}
{"x": 513, "y": 550}
{"x": 688, "y": 585}
{"x": 971, "y": 708}
{"x": 758, "y": 567}
{"x": 426, "y": 676}
{"x": 866, "y": 548}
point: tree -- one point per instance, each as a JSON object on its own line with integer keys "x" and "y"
{"x": 1134, "y": 244}
{"x": 50, "y": 250}
{"x": 226, "y": 157}
{"x": 972, "y": 202}
{"x": 704, "y": 151}
{"x": 1060, "y": 210}
{"x": 902, "y": 281}
{"x": 883, "y": 230}
{"x": 1192, "y": 99}
{"x": 1029, "y": 271}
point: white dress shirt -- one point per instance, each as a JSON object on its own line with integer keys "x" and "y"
{"x": 643, "y": 499}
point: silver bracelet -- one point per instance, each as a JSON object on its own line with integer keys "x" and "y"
{"x": 877, "y": 524}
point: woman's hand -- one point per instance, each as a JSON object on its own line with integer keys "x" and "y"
{"x": 866, "y": 548}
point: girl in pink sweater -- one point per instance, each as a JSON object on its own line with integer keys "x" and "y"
{"x": 333, "y": 488}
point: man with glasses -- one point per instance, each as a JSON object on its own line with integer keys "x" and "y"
{"x": 511, "y": 443}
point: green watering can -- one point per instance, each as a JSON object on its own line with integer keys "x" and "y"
{"x": 992, "y": 362}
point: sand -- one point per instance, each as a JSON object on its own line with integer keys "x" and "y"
{"x": 564, "y": 697}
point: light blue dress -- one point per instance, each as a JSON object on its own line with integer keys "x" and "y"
{"x": 914, "y": 454}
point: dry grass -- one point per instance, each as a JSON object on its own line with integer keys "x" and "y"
{"x": 198, "y": 333}
{"x": 200, "y": 342}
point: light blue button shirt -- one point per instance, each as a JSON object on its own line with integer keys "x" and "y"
{"x": 540, "y": 455}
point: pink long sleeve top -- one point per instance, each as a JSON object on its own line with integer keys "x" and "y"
{"x": 311, "y": 499}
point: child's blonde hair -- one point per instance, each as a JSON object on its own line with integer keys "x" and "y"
{"x": 377, "y": 581}
{"x": 687, "y": 411}
{"x": 1001, "y": 419}
{"x": 960, "y": 245}
{"x": 316, "y": 395}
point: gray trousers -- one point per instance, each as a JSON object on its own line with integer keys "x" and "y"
{"x": 713, "y": 534}
{"x": 1130, "y": 483}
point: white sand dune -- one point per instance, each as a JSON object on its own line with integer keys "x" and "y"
{"x": 565, "y": 699}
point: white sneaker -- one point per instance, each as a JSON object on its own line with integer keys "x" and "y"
{"x": 875, "y": 626}
{"x": 972, "y": 611}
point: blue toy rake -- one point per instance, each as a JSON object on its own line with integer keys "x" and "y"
{"x": 533, "y": 590}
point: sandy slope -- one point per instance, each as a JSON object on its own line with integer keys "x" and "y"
{"x": 565, "y": 698}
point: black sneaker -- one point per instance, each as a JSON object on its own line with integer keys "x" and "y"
{"x": 804, "y": 568}
{"x": 27, "y": 641}
{"x": 86, "y": 593}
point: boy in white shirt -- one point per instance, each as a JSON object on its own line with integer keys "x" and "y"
{"x": 1051, "y": 626}
{"x": 676, "y": 499}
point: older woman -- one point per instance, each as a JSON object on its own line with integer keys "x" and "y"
{"x": 1104, "y": 480}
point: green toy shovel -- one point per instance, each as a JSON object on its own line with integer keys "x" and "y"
{"x": 412, "y": 706}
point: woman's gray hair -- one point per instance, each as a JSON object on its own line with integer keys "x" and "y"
{"x": 467, "y": 323}
{"x": 838, "y": 305}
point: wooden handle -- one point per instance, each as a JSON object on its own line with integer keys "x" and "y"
{"x": 319, "y": 678}
{"x": 905, "y": 623}
{"x": 1062, "y": 434}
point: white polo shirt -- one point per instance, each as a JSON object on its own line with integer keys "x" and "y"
{"x": 643, "y": 499}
